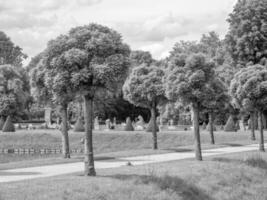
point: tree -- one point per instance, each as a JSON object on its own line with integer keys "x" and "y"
{"x": 13, "y": 91}
{"x": 100, "y": 61}
{"x": 189, "y": 84}
{"x": 51, "y": 84}
{"x": 9, "y": 53}
{"x": 144, "y": 88}
{"x": 39, "y": 88}
{"x": 249, "y": 89}
{"x": 59, "y": 61}
{"x": 215, "y": 102}
{"x": 247, "y": 39}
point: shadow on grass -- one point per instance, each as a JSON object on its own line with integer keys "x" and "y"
{"x": 253, "y": 161}
{"x": 226, "y": 160}
{"x": 3, "y": 173}
{"x": 232, "y": 145}
{"x": 97, "y": 158}
{"x": 183, "y": 188}
{"x": 179, "y": 150}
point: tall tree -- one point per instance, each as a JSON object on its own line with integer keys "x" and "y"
{"x": 100, "y": 61}
{"x": 9, "y": 52}
{"x": 247, "y": 36}
{"x": 13, "y": 95}
{"x": 189, "y": 84}
{"x": 249, "y": 89}
{"x": 144, "y": 88}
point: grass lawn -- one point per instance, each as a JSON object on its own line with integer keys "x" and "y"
{"x": 228, "y": 177}
{"x": 108, "y": 144}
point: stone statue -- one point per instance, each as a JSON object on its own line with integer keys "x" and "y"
{"x": 108, "y": 124}
{"x": 171, "y": 125}
{"x": 96, "y": 124}
{"x": 140, "y": 124}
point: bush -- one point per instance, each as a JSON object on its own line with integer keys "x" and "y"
{"x": 230, "y": 125}
{"x": 79, "y": 127}
{"x": 2, "y": 122}
{"x": 129, "y": 126}
{"x": 8, "y": 126}
{"x": 149, "y": 127}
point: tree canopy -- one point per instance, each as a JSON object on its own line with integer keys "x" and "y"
{"x": 249, "y": 89}
{"x": 247, "y": 36}
{"x": 9, "y": 52}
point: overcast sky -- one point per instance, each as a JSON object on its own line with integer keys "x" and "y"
{"x": 152, "y": 25}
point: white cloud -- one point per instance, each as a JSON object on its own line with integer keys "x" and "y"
{"x": 149, "y": 25}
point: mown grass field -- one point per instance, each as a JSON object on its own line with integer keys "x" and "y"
{"x": 113, "y": 143}
{"x": 229, "y": 177}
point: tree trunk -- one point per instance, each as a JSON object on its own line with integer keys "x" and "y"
{"x": 89, "y": 168}
{"x": 252, "y": 121}
{"x": 211, "y": 128}
{"x": 64, "y": 131}
{"x": 154, "y": 127}
{"x": 256, "y": 120}
{"x": 260, "y": 125}
{"x": 196, "y": 132}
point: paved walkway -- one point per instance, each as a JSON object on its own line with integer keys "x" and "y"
{"x": 60, "y": 169}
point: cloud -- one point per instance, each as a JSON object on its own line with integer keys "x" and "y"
{"x": 148, "y": 25}
{"x": 25, "y": 20}
{"x": 37, "y": 6}
{"x": 170, "y": 26}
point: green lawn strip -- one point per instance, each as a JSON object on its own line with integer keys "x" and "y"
{"x": 113, "y": 144}
{"x": 113, "y": 140}
{"x": 13, "y": 161}
{"x": 226, "y": 177}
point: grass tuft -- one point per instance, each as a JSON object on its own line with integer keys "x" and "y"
{"x": 172, "y": 184}
{"x": 256, "y": 161}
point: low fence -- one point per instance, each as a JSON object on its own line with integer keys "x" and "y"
{"x": 38, "y": 151}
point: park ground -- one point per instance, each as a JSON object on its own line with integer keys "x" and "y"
{"x": 234, "y": 176}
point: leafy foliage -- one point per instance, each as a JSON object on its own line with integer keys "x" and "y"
{"x": 247, "y": 36}
{"x": 188, "y": 83}
{"x": 9, "y": 53}
{"x": 141, "y": 57}
{"x": 249, "y": 87}
{"x": 14, "y": 90}
{"x": 144, "y": 87}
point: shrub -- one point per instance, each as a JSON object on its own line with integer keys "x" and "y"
{"x": 149, "y": 127}
{"x": 230, "y": 125}
{"x": 2, "y": 122}
{"x": 8, "y": 126}
{"x": 79, "y": 127}
{"x": 129, "y": 126}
